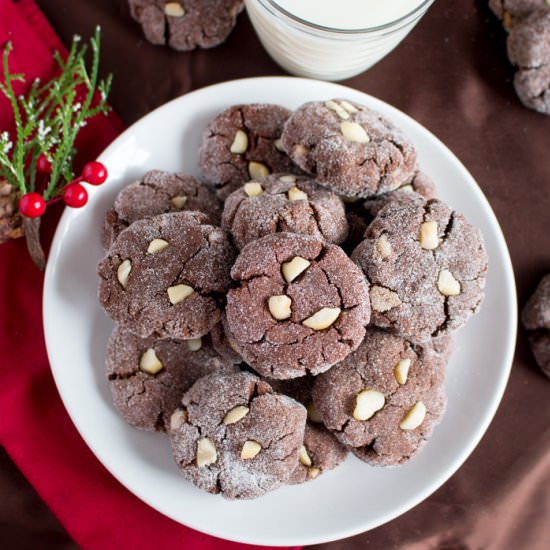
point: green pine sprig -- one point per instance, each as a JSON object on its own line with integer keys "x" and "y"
{"x": 49, "y": 117}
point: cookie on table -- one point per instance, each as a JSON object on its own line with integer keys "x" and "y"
{"x": 185, "y": 24}
{"x": 243, "y": 143}
{"x": 234, "y": 436}
{"x": 349, "y": 148}
{"x": 167, "y": 276}
{"x": 384, "y": 399}
{"x": 510, "y": 11}
{"x": 147, "y": 377}
{"x": 426, "y": 266}
{"x": 536, "y": 319}
{"x": 159, "y": 192}
{"x": 529, "y": 49}
{"x": 301, "y": 306}
{"x": 284, "y": 202}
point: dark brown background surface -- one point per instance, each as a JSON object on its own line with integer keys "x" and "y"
{"x": 450, "y": 74}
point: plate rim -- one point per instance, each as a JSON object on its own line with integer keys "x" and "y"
{"x": 511, "y": 324}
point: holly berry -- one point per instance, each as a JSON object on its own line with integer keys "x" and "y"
{"x": 43, "y": 164}
{"x": 75, "y": 195}
{"x": 32, "y": 205}
{"x": 94, "y": 173}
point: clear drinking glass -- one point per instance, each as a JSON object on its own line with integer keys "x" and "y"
{"x": 305, "y": 49}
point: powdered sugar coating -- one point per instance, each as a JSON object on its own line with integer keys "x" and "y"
{"x": 314, "y": 140}
{"x": 274, "y": 421}
{"x": 146, "y": 400}
{"x": 288, "y": 348}
{"x": 321, "y": 214}
{"x": 262, "y": 124}
{"x": 153, "y": 194}
{"x": 204, "y": 23}
{"x": 517, "y": 9}
{"x": 198, "y": 255}
{"x": 407, "y": 275}
{"x": 380, "y": 440}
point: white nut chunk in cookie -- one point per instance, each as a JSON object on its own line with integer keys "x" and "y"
{"x": 295, "y": 267}
{"x": 429, "y": 240}
{"x": 178, "y": 293}
{"x": 295, "y": 194}
{"x": 401, "y": 370}
{"x": 206, "y": 452}
{"x": 235, "y": 414}
{"x": 348, "y": 106}
{"x": 289, "y": 178}
{"x": 250, "y": 449}
{"x": 240, "y": 143}
{"x": 123, "y": 273}
{"x": 313, "y": 414}
{"x": 195, "y": 344}
{"x": 414, "y": 417}
{"x": 367, "y": 403}
{"x": 383, "y": 299}
{"x": 179, "y": 201}
{"x": 323, "y": 319}
{"x": 279, "y": 307}
{"x": 383, "y": 246}
{"x": 150, "y": 363}
{"x": 313, "y": 472}
{"x": 174, "y": 9}
{"x": 337, "y": 108}
{"x": 304, "y": 457}
{"x": 157, "y": 245}
{"x": 354, "y": 132}
{"x": 279, "y": 145}
{"x": 253, "y": 189}
{"x": 257, "y": 170}
{"x": 447, "y": 284}
{"x": 178, "y": 419}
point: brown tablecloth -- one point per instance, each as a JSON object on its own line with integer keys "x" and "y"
{"x": 451, "y": 74}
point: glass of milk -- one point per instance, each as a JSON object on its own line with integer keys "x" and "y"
{"x": 332, "y": 39}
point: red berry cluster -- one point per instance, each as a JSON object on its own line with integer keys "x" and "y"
{"x": 74, "y": 193}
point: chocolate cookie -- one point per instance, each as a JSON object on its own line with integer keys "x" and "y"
{"x": 223, "y": 344}
{"x": 511, "y": 11}
{"x": 148, "y": 376}
{"x": 426, "y": 266}
{"x": 361, "y": 213}
{"x": 234, "y": 436}
{"x": 301, "y": 306}
{"x": 384, "y": 399}
{"x": 320, "y": 452}
{"x": 529, "y": 49}
{"x": 536, "y": 319}
{"x": 243, "y": 143}
{"x": 186, "y": 24}
{"x": 159, "y": 192}
{"x": 166, "y": 276}
{"x": 283, "y": 202}
{"x": 349, "y": 148}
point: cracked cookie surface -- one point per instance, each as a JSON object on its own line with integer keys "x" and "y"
{"x": 349, "y": 148}
{"x": 377, "y": 434}
{"x": 284, "y": 203}
{"x": 426, "y": 266}
{"x": 241, "y": 144}
{"x": 536, "y": 319}
{"x": 529, "y": 49}
{"x": 236, "y": 437}
{"x": 159, "y": 192}
{"x": 185, "y": 24}
{"x": 146, "y": 393}
{"x": 327, "y": 305}
{"x": 166, "y": 276}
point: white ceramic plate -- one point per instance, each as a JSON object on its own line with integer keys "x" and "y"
{"x": 354, "y": 497}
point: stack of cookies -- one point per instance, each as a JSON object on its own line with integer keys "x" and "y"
{"x": 296, "y": 304}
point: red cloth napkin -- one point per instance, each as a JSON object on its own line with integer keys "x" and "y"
{"x": 34, "y": 427}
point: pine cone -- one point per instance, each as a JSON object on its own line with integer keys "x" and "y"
{"x": 10, "y": 220}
